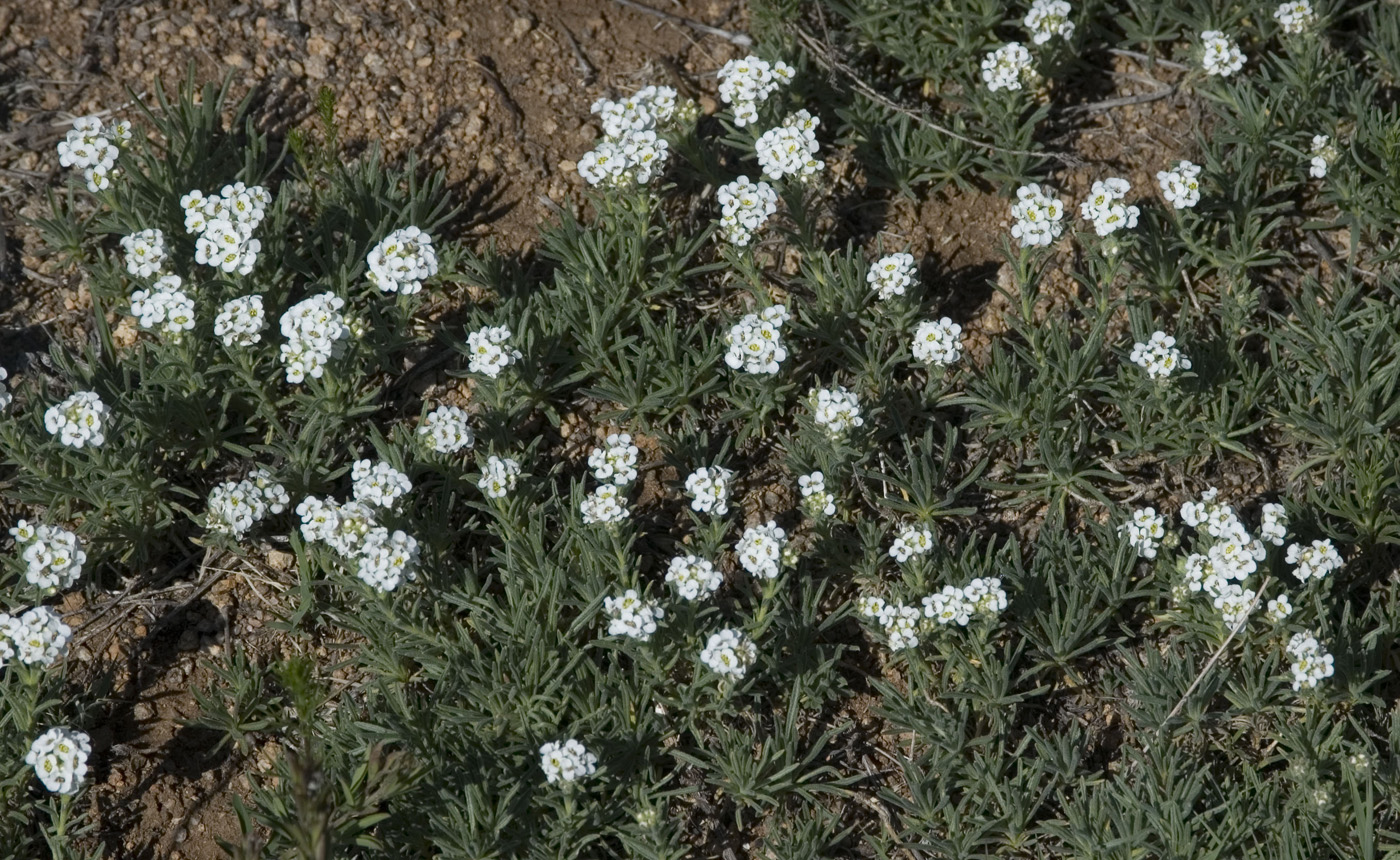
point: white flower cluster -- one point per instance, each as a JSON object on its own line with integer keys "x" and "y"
{"x": 937, "y": 343}
{"x": 488, "y": 356}
{"x": 889, "y": 276}
{"x": 1104, "y": 207}
{"x": 693, "y": 577}
{"x": 749, "y": 82}
{"x": 240, "y": 321}
{"x": 145, "y": 252}
{"x": 836, "y": 410}
{"x": 1230, "y": 556}
{"x": 59, "y": 758}
{"x": 604, "y": 505}
{"x": 315, "y": 331}
{"x": 378, "y": 484}
{"x": 903, "y": 624}
{"x": 1273, "y": 524}
{"x": 632, "y": 616}
{"x": 402, "y": 261}
{"x": 93, "y": 149}
{"x": 1295, "y": 16}
{"x": 744, "y": 206}
{"x": 164, "y": 305}
{"x": 53, "y": 556}
{"x": 816, "y": 500}
{"x": 760, "y": 550}
{"x": 5, "y": 396}
{"x": 225, "y": 223}
{"x": 1314, "y": 561}
{"x": 1008, "y": 68}
{"x": 566, "y": 762}
{"x": 632, "y": 149}
{"x": 382, "y": 558}
{"x": 755, "y": 342}
{"x": 709, "y": 487}
{"x": 1145, "y": 531}
{"x": 1159, "y": 356}
{"x": 77, "y": 421}
{"x": 1311, "y": 662}
{"x": 1181, "y": 185}
{"x": 912, "y": 541}
{"x": 1323, "y": 154}
{"x": 729, "y": 652}
{"x": 617, "y": 462}
{"x": 448, "y": 429}
{"x": 1220, "y": 55}
{"x": 791, "y": 148}
{"x": 38, "y": 635}
{"x": 1038, "y": 216}
{"x": 498, "y": 477}
{"x": 234, "y": 506}
{"x": 1047, "y": 19}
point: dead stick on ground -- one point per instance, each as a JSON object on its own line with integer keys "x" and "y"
{"x": 741, "y": 39}
{"x": 1123, "y": 101}
{"x": 1214, "y": 658}
{"x": 826, "y": 58}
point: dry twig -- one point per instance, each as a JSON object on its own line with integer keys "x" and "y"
{"x": 1219, "y": 652}
{"x": 740, "y": 39}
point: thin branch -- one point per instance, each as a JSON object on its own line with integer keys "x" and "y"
{"x": 825, "y": 57}
{"x": 1150, "y": 60}
{"x": 1214, "y": 658}
{"x": 741, "y": 39}
{"x": 1123, "y": 101}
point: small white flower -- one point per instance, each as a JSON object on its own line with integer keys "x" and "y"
{"x": 59, "y": 757}
{"x": 1047, "y": 19}
{"x": 760, "y": 550}
{"x": 1273, "y": 525}
{"x": 1324, "y": 152}
{"x": 709, "y": 487}
{"x": 145, "y": 252}
{"x": 54, "y": 557}
{"x": 378, "y": 484}
{"x": 386, "y": 558}
{"x": 632, "y": 616}
{"x": 1220, "y": 55}
{"x": 912, "y": 541}
{"x": 566, "y": 762}
{"x": 949, "y": 606}
{"x": 693, "y": 577}
{"x": 1145, "y": 531}
{"x": 234, "y": 506}
{"x": 1008, "y": 68}
{"x": 836, "y": 410}
{"x": 447, "y": 429}
{"x": 1038, "y": 216}
{"x": 604, "y": 505}
{"x": 499, "y": 477}
{"x": 729, "y": 653}
{"x": 1314, "y": 561}
{"x": 755, "y": 342}
{"x": 39, "y": 636}
{"x": 1311, "y": 663}
{"x": 316, "y": 332}
{"x": 791, "y": 148}
{"x": 1234, "y": 603}
{"x": 1105, "y": 209}
{"x": 6, "y": 398}
{"x": 1159, "y": 356}
{"x": 937, "y": 343}
{"x": 744, "y": 207}
{"x": 1278, "y": 608}
{"x": 815, "y": 498}
{"x": 488, "y": 355}
{"x": 1295, "y": 16}
{"x": 902, "y": 624}
{"x": 749, "y": 82}
{"x": 402, "y": 261}
{"x": 889, "y": 276}
{"x": 241, "y": 321}
{"x": 617, "y": 461}
{"x": 1181, "y": 185}
{"x": 77, "y": 421}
